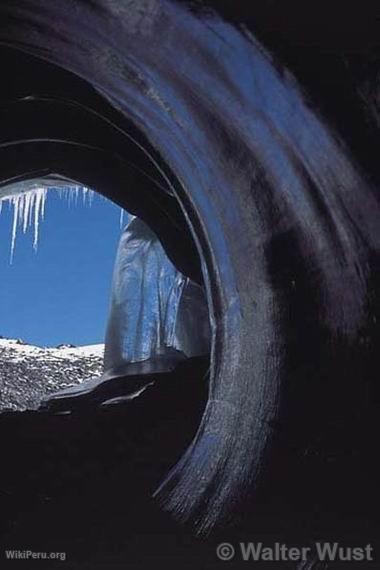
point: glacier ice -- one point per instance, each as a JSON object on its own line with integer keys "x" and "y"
{"x": 157, "y": 315}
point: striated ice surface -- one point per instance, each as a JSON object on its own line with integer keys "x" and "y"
{"x": 156, "y": 312}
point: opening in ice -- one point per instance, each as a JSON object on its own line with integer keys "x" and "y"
{"x": 157, "y": 316}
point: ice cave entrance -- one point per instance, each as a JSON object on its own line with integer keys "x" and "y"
{"x": 153, "y": 316}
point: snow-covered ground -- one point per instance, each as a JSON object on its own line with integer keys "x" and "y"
{"x": 28, "y": 373}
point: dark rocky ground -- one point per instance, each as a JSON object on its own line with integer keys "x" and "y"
{"x": 29, "y": 373}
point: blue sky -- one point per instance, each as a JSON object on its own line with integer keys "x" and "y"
{"x": 59, "y": 294}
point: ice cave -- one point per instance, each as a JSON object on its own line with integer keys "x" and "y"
{"x": 240, "y": 383}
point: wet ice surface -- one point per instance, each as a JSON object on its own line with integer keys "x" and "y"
{"x": 156, "y": 312}
{"x": 29, "y": 373}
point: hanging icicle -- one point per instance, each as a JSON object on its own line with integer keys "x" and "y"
{"x": 29, "y": 208}
{"x": 121, "y": 217}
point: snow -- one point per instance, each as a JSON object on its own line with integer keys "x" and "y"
{"x": 17, "y": 351}
{"x": 29, "y": 374}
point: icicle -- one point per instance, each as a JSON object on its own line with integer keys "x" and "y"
{"x": 30, "y": 201}
{"x": 87, "y": 195}
{"x": 38, "y": 207}
{"x": 29, "y": 208}
{"x": 14, "y": 226}
{"x": 121, "y": 217}
{"x": 43, "y": 206}
{"x": 26, "y": 220}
